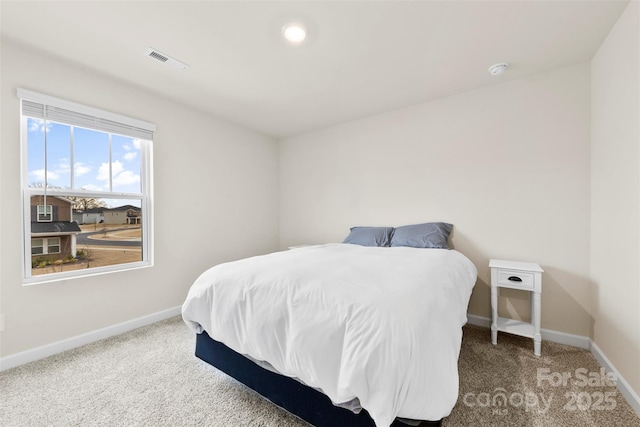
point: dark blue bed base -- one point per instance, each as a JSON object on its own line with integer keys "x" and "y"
{"x": 305, "y": 402}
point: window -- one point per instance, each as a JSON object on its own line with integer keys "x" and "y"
{"x": 45, "y": 213}
{"x": 52, "y": 245}
{"x": 87, "y": 190}
{"x": 37, "y": 246}
{"x": 48, "y": 245}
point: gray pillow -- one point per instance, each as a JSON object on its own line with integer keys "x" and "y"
{"x": 370, "y": 236}
{"x": 428, "y": 235}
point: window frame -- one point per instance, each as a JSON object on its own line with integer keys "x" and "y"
{"x": 145, "y": 196}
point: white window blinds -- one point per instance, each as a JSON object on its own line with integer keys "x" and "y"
{"x": 42, "y": 106}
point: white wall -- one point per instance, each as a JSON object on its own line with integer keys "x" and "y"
{"x": 204, "y": 168}
{"x": 615, "y": 196}
{"x": 508, "y": 165}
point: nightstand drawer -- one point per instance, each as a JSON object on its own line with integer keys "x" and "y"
{"x": 515, "y": 279}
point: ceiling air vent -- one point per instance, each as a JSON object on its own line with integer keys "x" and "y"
{"x": 166, "y": 59}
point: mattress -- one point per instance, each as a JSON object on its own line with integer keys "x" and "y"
{"x": 377, "y": 324}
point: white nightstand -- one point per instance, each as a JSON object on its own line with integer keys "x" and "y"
{"x": 526, "y": 276}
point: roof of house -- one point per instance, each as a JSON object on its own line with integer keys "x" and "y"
{"x": 55, "y": 227}
{"x": 90, "y": 210}
{"x": 64, "y": 199}
{"x": 105, "y": 209}
{"x": 124, "y": 208}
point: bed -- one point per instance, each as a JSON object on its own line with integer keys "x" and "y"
{"x": 339, "y": 334}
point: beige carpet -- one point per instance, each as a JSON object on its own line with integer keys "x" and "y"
{"x": 149, "y": 377}
{"x": 562, "y": 387}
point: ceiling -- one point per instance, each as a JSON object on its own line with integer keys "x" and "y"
{"x": 360, "y": 57}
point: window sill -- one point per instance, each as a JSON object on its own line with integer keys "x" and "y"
{"x": 79, "y": 274}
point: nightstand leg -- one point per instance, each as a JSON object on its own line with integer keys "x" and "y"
{"x": 494, "y": 315}
{"x": 535, "y": 313}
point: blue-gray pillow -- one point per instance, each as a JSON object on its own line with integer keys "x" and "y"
{"x": 369, "y": 236}
{"x": 428, "y": 235}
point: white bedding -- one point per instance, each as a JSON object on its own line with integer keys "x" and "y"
{"x": 375, "y": 323}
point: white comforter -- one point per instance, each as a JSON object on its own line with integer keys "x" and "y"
{"x": 379, "y": 324}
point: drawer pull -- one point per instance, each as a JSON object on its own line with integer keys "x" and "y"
{"x": 514, "y": 279}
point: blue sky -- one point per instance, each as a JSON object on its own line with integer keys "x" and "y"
{"x": 90, "y": 159}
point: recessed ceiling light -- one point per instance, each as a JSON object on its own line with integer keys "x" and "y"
{"x": 497, "y": 69}
{"x": 294, "y": 33}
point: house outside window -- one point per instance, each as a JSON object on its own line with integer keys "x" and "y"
{"x": 79, "y": 164}
{"x": 56, "y": 235}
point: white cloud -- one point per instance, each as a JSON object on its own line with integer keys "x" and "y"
{"x": 103, "y": 172}
{"x": 120, "y": 176}
{"x": 130, "y": 155}
{"x": 92, "y": 187}
{"x": 37, "y": 125}
{"x": 80, "y": 169}
{"x": 136, "y": 145}
{"x": 63, "y": 166}
{"x": 125, "y": 178}
{"x": 38, "y": 174}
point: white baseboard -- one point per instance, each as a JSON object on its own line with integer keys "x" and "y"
{"x": 581, "y": 342}
{"x": 485, "y": 322}
{"x": 17, "y": 359}
{"x": 623, "y": 386}
{"x": 547, "y": 334}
